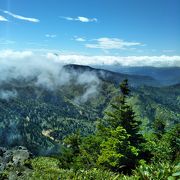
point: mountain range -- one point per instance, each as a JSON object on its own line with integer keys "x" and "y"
{"x": 39, "y": 118}
{"x": 164, "y": 75}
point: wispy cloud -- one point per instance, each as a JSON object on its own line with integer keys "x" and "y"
{"x": 51, "y": 35}
{"x": 34, "y": 20}
{"x": 81, "y": 19}
{"x": 2, "y": 18}
{"x": 80, "y": 39}
{"x": 111, "y": 43}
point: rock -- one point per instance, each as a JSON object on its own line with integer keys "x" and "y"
{"x": 20, "y": 156}
{"x": 7, "y": 156}
{"x": 14, "y": 161}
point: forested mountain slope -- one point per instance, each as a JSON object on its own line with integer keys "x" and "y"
{"x": 152, "y": 103}
{"x": 38, "y": 117}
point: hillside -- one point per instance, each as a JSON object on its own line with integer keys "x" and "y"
{"x": 164, "y": 75}
{"x": 39, "y": 118}
{"x": 115, "y": 77}
{"x": 152, "y": 103}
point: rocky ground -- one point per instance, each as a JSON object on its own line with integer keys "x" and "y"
{"x": 14, "y": 163}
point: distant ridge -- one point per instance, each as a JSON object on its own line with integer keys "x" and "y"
{"x": 113, "y": 77}
{"x": 165, "y": 75}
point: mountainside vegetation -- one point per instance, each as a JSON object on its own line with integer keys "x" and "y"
{"x": 90, "y": 129}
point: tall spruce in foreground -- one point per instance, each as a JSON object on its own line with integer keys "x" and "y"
{"x": 123, "y": 115}
{"x": 121, "y": 148}
{"x": 127, "y": 117}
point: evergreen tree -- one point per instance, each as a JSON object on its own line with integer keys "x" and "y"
{"x": 71, "y": 150}
{"x": 159, "y": 127}
{"x": 116, "y": 152}
{"x": 123, "y": 115}
{"x": 121, "y": 134}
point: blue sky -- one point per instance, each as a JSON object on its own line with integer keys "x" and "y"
{"x": 92, "y": 27}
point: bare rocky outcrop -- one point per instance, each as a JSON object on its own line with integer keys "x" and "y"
{"x": 14, "y": 163}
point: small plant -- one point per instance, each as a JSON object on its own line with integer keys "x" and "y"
{"x": 159, "y": 171}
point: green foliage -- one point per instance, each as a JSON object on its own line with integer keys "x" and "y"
{"x": 116, "y": 150}
{"x": 123, "y": 115}
{"x": 89, "y": 151}
{"x": 122, "y": 141}
{"x": 80, "y": 152}
{"x": 45, "y": 168}
{"x": 151, "y": 103}
{"x": 41, "y": 119}
{"x": 73, "y": 142}
{"x": 176, "y": 171}
{"x": 159, "y": 127}
{"x": 3, "y": 175}
{"x": 36, "y": 110}
{"x": 158, "y": 171}
{"x": 173, "y": 138}
{"x": 71, "y": 150}
{"x": 164, "y": 147}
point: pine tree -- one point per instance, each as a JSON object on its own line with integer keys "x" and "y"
{"x": 123, "y": 115}
{"x": 121, "y": 134}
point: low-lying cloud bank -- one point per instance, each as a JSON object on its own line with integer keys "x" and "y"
{"x": 155, "y": 61}
{"x": 42, "y": 71}
{"x": 46, "y": 69}
{"x": 29, "y": 56}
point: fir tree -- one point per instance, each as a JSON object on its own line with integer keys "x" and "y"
{"x": 121, "y": 131}
{"x": 123, "y": 115}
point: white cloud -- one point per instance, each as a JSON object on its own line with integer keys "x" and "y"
{"x": 10, "y": 54}
{"x": 45, "y": 72}
{"x": 85, "y": 19}
{"x": 22, "y": 17}
{"x": 155, "y": 61}
{"x": 81, "y": 19}
{"x": 111, "y": 43}
{"x": 28, "y": 56}
{"x": 51, "y": 35}
{"x": 2, "y": 18}
{"x": 80, "y": 39}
